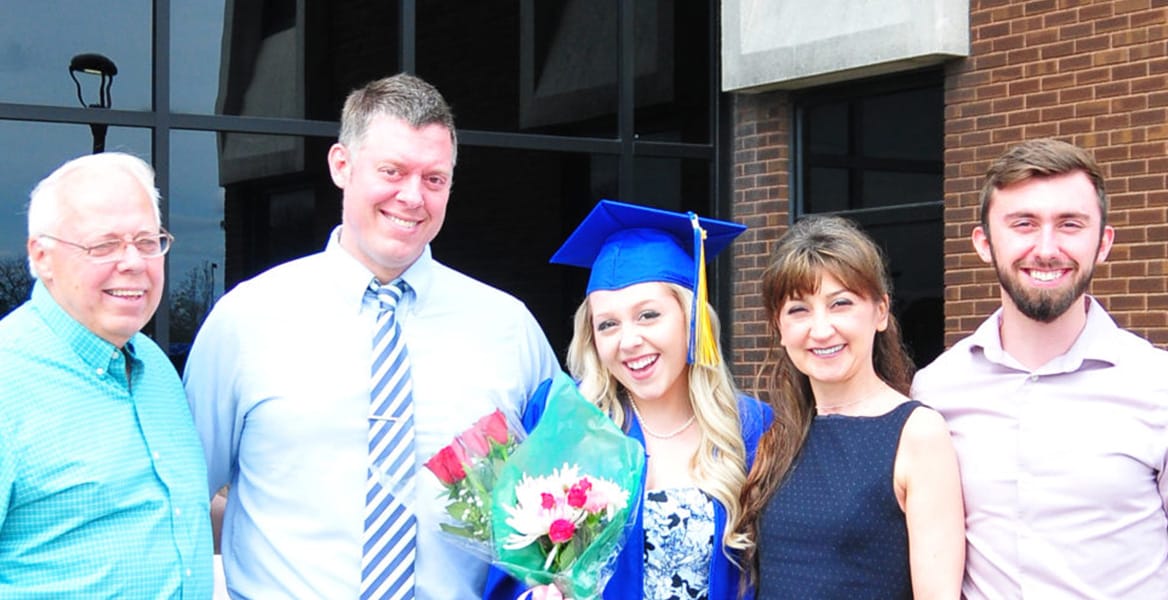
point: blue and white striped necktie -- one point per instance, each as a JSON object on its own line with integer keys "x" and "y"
{"x": 387, "y": 562}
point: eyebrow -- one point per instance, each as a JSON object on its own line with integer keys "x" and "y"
{"x": 110, "y": 236}
{"x": 1036, "y": 214}
{"x": 637, "y": 306}
{"x": 840, "y": 291}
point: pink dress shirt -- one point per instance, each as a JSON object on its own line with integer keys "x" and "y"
{"x": 1064, "y": 468}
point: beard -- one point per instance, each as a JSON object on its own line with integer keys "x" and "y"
{"x": 1043, "y": 305}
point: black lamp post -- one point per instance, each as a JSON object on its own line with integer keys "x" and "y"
{"x": 95, "y": 64}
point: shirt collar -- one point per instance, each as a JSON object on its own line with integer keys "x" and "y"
{"x": 351, "y": 278}
{"x": 94, "y": 350}
{"x": 1091, "y": 345}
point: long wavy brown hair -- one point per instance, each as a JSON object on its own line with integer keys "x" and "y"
{"x": 811, "y": 247}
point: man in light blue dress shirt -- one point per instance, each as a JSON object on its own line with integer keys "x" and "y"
{"x": 101, "y": 475}
{"x": 278, "y": 376}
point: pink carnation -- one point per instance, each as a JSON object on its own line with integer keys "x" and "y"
{"x": 561, "y": 530}
{"x": 578, "y": 493}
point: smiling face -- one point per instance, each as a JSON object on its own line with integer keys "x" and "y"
{"x": 113, "y": 300}
{"x": 396, "y": 184}
{"x": 1045, "y": 237}
{"x": 641, "y": 337}
{"x": 829, "y": 333}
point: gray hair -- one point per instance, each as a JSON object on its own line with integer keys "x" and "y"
{"x": 44, "y": 204}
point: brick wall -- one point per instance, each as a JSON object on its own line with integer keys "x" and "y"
{"x": 762, "y": 152}
{"x": 1089, "y": 72}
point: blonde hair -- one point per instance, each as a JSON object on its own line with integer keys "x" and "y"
{"x": 719, "y": 464}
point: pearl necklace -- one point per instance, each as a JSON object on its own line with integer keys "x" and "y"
{"x": 660, "y": 436}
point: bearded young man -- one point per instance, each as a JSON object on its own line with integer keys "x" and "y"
{"x": 1059, "y": 417}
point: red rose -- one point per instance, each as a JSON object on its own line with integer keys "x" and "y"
{"x": 494, "y": 426}
{"x": 447, "y": 464}
{"x": 474, "y": 441}
{"x": 477, "y": 438}
{"x": 561, "y": 530}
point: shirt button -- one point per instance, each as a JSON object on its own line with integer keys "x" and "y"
{"x": 188, "y": 572}
{"x": 156, "y": 455}
{"x": 100, "y": 371}
{"x": 178, "y": 512}
{"x": 114, "y": 355}
{"x": 1033, "y": 378}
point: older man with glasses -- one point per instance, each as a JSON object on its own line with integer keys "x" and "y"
{"x": 102, "y": 479}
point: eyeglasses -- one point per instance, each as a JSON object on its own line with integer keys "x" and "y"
{"x": 148, "y": 246}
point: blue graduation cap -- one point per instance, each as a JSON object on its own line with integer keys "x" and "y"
{"x": 625, "y": 244}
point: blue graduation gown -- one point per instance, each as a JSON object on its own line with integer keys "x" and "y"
{"x": 628, "y": 578}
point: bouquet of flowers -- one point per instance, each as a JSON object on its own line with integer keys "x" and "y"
{"x": 467, "y": 468}
{"x": 566, "y": 495}
{"x": 562, "y": 513}
{"x": 553, "y": 509}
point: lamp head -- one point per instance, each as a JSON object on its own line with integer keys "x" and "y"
{"x": 94, "y": 64}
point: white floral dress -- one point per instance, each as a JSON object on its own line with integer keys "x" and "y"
{"x": 679, "y": 542}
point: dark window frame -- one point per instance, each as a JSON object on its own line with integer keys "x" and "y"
{"x": 925, "y": 339}
{"x": 855, "y": 163}
{"x": 625, "y": 146}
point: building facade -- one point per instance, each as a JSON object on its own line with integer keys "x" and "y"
{"x": 1092, "y": 73}
{"x": 236, "y": 102}
{"x": 885, "y": 111}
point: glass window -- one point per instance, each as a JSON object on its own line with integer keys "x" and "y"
{"x": 503, "y": 231}
{"x": 484, "y": 89}
{"x": 43, "y": 148}
{"x": 673, "y": 184}
{"x": 830, "y": 124}
{"x": 277, "y": 58}
{"x": 241, "y": 203}
{"x": 279, "y": 201}
{"x": 534, "y": 66}
{"x": 903, "y": 125}
{"x": 196, "y": 220}
{"x": 40, "y": 40}
{"x": 673, "y": 71}
{"x": 872, "y": 151}
{"x": 913, "y": 243}
{"x": 827, "y": 190}
{"x": 873, "y": 144}
{"x": 891, "y": 188}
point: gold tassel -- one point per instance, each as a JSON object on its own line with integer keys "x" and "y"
{"x": 707, "y": 346}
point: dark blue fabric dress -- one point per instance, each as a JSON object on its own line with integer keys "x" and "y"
{"x": 834, "y": 528}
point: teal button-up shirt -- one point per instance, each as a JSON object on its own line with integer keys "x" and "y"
{"x": 103, "y": 488}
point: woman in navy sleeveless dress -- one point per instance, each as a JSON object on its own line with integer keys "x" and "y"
{"x": 854, "y": 491}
